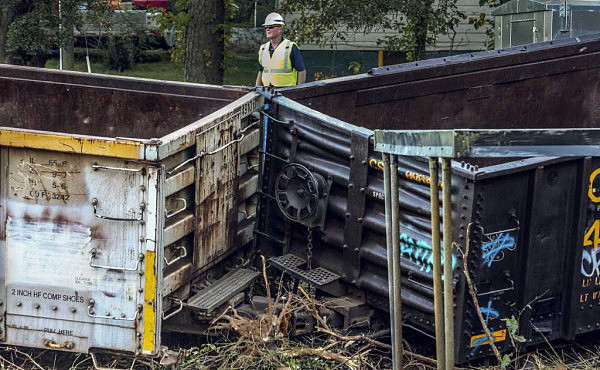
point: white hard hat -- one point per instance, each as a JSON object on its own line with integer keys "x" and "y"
{"x": 274, "y": 19}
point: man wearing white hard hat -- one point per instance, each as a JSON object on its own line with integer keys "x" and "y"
{"x": 280, "y": 61}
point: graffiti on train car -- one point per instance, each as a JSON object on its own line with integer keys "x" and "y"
{"x": 488, "y": 312}
{"x": 420, "y": 253}
{"x": 409, "y": 175}
{"x": 591, "y": 237}
{"x": 590, "y": 257}
{"x": 590, "y": 263}
{"x": 498, "y": 243}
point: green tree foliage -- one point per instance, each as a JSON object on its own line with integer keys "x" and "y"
{"x": 483, "y": 21}
{"x": 202, "y": 31}
{"x": 176, "y": 20}
{"x": 31, "y": 35}
{"x": 413, "y": 23}
{"x": 32, "y": 28}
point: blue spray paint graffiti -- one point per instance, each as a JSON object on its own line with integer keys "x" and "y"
{"x": 419, "y": 253}
{"x": 488, "y": 312}
{"x": 494, "y": 249}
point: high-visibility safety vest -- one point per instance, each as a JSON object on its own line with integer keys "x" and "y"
{"x": 277, "y": 69}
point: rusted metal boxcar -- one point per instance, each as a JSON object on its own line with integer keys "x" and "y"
{"x": 130, "y": 207}
{"x": 534, "y": 221}
{"x": 116, "y": 195}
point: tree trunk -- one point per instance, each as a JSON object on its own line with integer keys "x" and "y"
{"x": 69, "y": 13}
{"x": 8, "y": 13}
{"x": 422, "y": 9}
{"x": 420, "y": 38}
{"x": 205, "y": 42}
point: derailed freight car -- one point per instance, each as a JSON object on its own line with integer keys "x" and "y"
{"x": 129, "y": 206}
{"x": 534, "y": 222}
{"x": 118, "y": 194}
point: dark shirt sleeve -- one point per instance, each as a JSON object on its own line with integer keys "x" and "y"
{"x": 296, "y": 58}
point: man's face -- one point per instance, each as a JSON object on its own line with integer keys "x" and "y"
{"x": 273, "y": 32}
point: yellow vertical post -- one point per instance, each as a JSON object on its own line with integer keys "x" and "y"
{"x": 380, "y": 58}
{"x": 447, "y": 240}
{"x": 438, "y": 299}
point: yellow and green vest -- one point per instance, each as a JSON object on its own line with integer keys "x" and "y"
{"x": 277, "y": 69}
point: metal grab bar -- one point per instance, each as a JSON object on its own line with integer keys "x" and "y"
{"x": 95, "y": 205}
{"x": 182, "y": 255}
{"x": 203, "y": 154}
{"x": 91, "y": 313}
{"x": 169, "y": 215}
{"x": 96, "y": 167}
{"x": 93, "y": 256}
{"x": 178, "y": 310}
{"x": 418, "y": 283}
{"x": 511, "y": 287}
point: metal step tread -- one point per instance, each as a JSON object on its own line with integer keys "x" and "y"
{"x": 291, "y": 263}
{"x": 222, "y": 290}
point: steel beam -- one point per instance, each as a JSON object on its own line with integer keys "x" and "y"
{"x": 573, "y": 142}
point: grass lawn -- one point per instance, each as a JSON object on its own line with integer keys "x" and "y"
{"x": 241, "y": 71}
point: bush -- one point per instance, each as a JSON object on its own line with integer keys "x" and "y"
{"x": 122, "y": 53}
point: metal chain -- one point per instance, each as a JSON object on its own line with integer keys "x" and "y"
{"x": 309, "y": 247}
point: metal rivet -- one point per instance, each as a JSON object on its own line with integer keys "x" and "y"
{"x": 73, "y": 309}
{"x": 36, "y": 306}
{"x": 54, "y": 308}
{"x": 19, "y": 304}
{"x": 143, "y": 188}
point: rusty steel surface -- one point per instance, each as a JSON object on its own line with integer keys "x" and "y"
{"x": 522, "y": 87}
{"x": 101, "y": 242}
{"x": 100, "y": 105}
{"x": 71, "y": 267}
{"x": 534, "y": 228}
{"x": 218, "y": 184}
